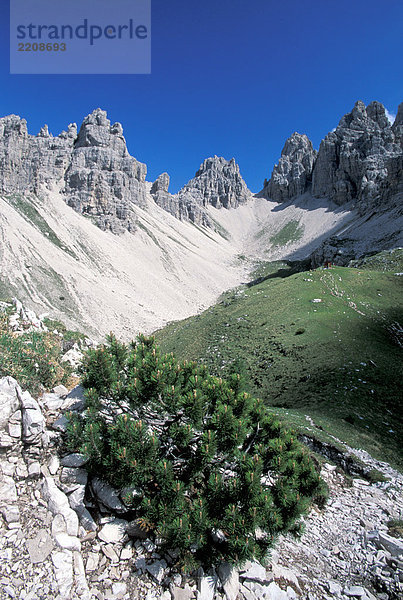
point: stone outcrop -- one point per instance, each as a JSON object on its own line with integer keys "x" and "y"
{"x": 93, "y": 168}
{"x": 98, "y": 177}
{"x": 161, "y": 184}
{"x": 361, "y": 162}
{"x": 27, "y": 161}
{"x": 292, "y": 176}
{"x": 102, "y": 180}
{"x": 167, "y": 201}
{"x": 217, "y": 183}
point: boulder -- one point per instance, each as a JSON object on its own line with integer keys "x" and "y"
{"x": 59, "y": 504}
{"x": 114, "y": 531}
{"x": 33, "y": 421}
{"x": 8, "y": 492}
{"x": 391, "y": 544}
{"x": 157, "y": 570}
{"x": 39, "y": 547}
{"x": 74, "y": 460}
{"x": 206, "y": 586}
{"x": 9, "y": 400}
{"x": 63, "y": 568}
{"x": 254, "y": 572}
{"x": 229, "y": 578}
{"x": 108, "y": 496}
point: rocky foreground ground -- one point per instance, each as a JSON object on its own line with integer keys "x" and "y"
{"x": 65, "y": 536}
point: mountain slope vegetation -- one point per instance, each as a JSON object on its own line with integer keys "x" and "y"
{"x": 326, "y": 342}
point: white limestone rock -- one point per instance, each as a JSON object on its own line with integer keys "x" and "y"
{"x": 67, "y": 542}
{"x": 53, "y": 464}
{"x": 274, "y": 592}
{"x": 39, "y": 547}
{"x": 63, "y": 568}
{"x": 254, "y": 572}
{"x": 9, "y": 400}
{"x": 206, "y": 586}
{"x": 113, "y": 532}
{"x": 8, "y": 491}
{"x": 119, "y": 589}
{"x": 33, "y": 421}
{"x": 74, "y": 357}
{"x": 92, "y": 561}
{"x": 229, "y": 578}
{"x": 59, "y": 504}
{"x": 52, "y": 402}
{"x": 281, "y": 573}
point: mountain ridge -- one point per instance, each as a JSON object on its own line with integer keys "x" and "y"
{"x": 155, "y": 252}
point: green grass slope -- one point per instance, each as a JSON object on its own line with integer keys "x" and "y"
{"x": 337, "y": 359}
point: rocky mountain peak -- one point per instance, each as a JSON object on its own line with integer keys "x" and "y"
{"x": 13, "y": 125}
{"x": 70, "y": 133}
{"x": 96, "y": 130}
{"x": 293, "y": 173}
{"x": 377, "y": 113}
{"x": 398, "y": 122}
{"x": 360, "y": 161}
{"x": 161, "y": 184}
{"x": 362, "y": 118}
{"x": 297, "y": 145}
{"x": 217, "y": 163}
{"x": 26, "y": 161}
{"x": 44, "y": 132}
{"x": 218, "y": 182}
{"x": 102, "y": 179}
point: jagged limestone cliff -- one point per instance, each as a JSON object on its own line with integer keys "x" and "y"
{"x": 59, "y": 262}
{"x": 217, "y": 183}
{"x": 293, "y": 173}
{"x": 361, "y": 161}
{"x": 100, "y": 179}
{"x": 359, "y": 167}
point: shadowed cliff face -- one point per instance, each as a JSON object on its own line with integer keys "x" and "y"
{"x": 293, "y": 173}
{"x": 359, "y": 162}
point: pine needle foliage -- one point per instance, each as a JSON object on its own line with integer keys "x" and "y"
{"x": 202, "y": 464}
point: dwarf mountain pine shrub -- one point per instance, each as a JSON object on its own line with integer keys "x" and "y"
{"x": 201, "y": 464}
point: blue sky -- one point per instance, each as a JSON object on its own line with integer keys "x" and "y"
{"x": 229, "y": 77}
